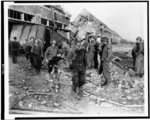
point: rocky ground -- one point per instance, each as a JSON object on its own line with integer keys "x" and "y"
{"x": 32, "y": 91}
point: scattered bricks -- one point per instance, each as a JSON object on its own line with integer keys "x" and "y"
{"x": 129, "y": 97}
{"x": 55, "y": 104}
{"x": 30, "y": 105}
{"x": 43, "y": 102}
{"x": 20, "y": 103}
{"x": 106, "y": 104}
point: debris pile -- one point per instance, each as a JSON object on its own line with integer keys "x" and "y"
{"x": 35, "y": 92}
{"x": 123, "y": 89}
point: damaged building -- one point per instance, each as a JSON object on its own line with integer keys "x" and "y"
{"x": 44, "y": 22}
{"x": 86, "y": 22}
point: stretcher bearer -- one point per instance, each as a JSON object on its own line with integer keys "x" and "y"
{"x": 105, "y": 60}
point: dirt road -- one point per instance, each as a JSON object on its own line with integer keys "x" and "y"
{"x": 32, "y": 91}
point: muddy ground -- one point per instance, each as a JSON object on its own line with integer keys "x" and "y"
{"x": 30, "y": 91}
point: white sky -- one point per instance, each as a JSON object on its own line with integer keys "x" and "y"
{"x": 127, "y": 19}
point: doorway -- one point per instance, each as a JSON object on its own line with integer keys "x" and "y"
{"x": 46, "y": 39}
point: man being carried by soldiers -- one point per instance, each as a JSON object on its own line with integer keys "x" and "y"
{"x": 14, "y": 49}
{"x": 106, "y": 52}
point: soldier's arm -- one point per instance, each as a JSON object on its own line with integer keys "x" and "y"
{"x": 46, "y": 53}
{"x": 109, "y": 52}
{"x": 32, "y": 48}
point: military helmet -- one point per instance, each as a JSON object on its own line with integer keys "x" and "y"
{"x": 139, "y": 38}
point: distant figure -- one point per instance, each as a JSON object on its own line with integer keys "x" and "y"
{"x": 22, "y": 50}
{"x": 36, "y": 55}
{"x": 96, "y": 51}
{"x": 28, "y": 47}
{"x": 50, "y": 53}
{"x": 138, "y": 57}
{"x": 14, "y": 49}
{"x": 106, "y": 52}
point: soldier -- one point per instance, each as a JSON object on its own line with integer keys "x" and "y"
{"x": 138, "y": 57}
{"x": 37, "y": 54}
{"x": 14, "y": 48}
{"x": 78, "y": 68}
{"x": 51, "y": 51}
{"x": 96, "y": 51}
{"x": 105, "y": 54}
{"x": 90, "y": 53}
{"x": 28, "y": 47}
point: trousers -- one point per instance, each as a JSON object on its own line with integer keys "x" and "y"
{"x": 78, "y": 79}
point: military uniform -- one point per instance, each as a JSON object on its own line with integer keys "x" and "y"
{"x": 51, "y": 52}
{"x": 139, "y": 62}
{"x": 90, "y": 55}
{"x": 28, "y": 47}
{"x": 96, "y": 64}
{"x": 105, "y": 62}
{"x": 36, "y": 57}
{"x": 14, "y": 48}
{"x": 138, "y": 57}
{"x": 78, "y": 68}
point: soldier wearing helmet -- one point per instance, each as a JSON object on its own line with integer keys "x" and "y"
{"x": 138, "y": 57}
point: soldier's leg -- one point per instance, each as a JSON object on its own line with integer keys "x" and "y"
{"x": 39, "y": 63}
{"x": 106, "y": 73}
{"x": 92, "y": 60}
{"x": 81, "y": 78}
{"x": 101, "y": 68}
{"x": 75, "y": 81}
{"x": 31, "y": 60}
{"x": 88, "y": 61}
{"x": 81, "y": 82}
{"x": 13, "y": 57}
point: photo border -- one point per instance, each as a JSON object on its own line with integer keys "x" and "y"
{"x": 2, "y": 61}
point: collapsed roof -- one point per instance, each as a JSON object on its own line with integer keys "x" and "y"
{"x": 86, "y": 22}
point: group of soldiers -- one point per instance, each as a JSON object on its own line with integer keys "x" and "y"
{"x": 80, "y": 55}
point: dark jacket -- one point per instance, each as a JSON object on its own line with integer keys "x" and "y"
{"x": 79, "y": 61}
{"x": 106, "y": 53}
{"x": 37, "y": 50}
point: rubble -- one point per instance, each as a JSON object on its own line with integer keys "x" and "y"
{"x": 36, "y": 92}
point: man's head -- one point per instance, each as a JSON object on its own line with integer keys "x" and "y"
{"x": 79, "y": 44}
{"x": 32, "y": 39}
{"x": 138, "y": 39}
{"x": 104, "y": 40}
{"x": 91, "y": 38}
